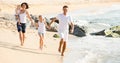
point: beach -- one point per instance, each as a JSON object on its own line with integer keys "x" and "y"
{"x": 12, "y": 52}
{"x": 96, "y": 16}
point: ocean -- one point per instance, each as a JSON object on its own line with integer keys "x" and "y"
{"x": 95, "y": 49}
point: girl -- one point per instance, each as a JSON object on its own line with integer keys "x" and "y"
{"x": 41, "y": 30}
{"x": 21, "y": 26}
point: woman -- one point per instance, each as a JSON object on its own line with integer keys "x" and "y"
{"x": 21, "y": 26}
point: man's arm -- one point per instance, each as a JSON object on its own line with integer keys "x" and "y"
{"x": 72, "y": 27}
{"x": 53, "y": 20}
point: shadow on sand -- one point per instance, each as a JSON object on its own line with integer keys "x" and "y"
{"x": 23, "y": 49}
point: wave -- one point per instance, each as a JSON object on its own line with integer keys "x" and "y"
{"x": 93, "y": 49}
{"x": 92, "y": 26}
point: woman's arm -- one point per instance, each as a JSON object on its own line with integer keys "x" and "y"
{"x": 28, "y": 15}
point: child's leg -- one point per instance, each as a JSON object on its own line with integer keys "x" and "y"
{"x": 41, "y": 41}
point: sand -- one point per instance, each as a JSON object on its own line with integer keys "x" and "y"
{"x": 12, "y": 52}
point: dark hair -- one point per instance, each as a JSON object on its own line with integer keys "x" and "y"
{"x": 65, "y": 6}
{"x": 25, "y": 4}
{"x": 40, "y": 16}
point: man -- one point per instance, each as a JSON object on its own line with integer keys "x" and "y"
{"x": 64, "y": 21}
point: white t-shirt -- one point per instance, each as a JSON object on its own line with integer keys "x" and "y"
{"x": 63, "y": 22}
{"x": 41, "y": 27}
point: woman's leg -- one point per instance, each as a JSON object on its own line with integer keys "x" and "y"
{"x": 19, "y": 28}
{"x": 21, "y": 38}
{"x": 23, "y": 25}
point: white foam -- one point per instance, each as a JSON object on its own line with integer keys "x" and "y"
{"x": 93, "y": 49}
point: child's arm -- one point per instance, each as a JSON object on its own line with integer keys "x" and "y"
{"x": 19, "y": 21}
{"x": 37, "y": 25}
{"x": 16, "y": 14}
{"x": 46, "y": 24}
{"x": 17, "y": 18}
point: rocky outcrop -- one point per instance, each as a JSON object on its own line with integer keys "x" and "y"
{"x": 79, "y": 31}
{"x": 111, "y": 32}
{"x": 99, "y": 33}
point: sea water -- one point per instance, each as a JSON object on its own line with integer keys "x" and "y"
{"x": 95, "y": 49}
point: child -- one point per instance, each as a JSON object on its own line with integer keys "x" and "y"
{"x": 17, "y": 11}
{"x": 41, "y": 30}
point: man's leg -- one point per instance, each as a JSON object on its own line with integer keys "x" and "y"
{"x": 63, "y": 48}
{"x": 60, "y": 44}
{"x": 64, "y": 43}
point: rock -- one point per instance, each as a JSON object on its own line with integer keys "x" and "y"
{"x": 98, "y": 33}
{"x": 109, "y": 35}
{"x": 56, "y": 36}
{"x": 111, "y": 32}
{"x": 79, "y": 31}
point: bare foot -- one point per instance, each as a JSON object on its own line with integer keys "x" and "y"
{"x": 40, "y": 48}
{"x": 59, "y": 49}
{"x": 21, "y": 44}
{"x": 62, "y": 54}
{"x": 45, "y": 46}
